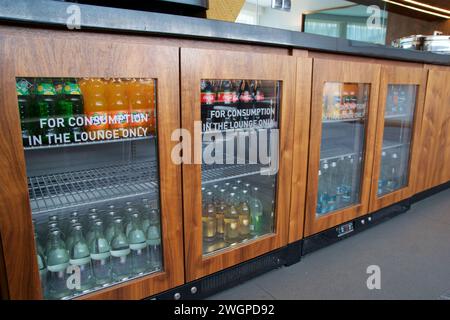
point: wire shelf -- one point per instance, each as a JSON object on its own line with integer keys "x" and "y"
{"x": 68, "y": 189}
{"x": 221, "y": 172}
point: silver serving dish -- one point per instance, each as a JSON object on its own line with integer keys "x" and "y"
{"x": 437, "y": 44}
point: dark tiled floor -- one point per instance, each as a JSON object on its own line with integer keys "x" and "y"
{"x": 412, "y": 250}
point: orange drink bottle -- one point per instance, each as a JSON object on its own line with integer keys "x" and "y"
{"x": 117, "y": 105}
{"x": 149, "y": 93}
{"x": 139, "y": 106}
{"x": 95, "y": 106}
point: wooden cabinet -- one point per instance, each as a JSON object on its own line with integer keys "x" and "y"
{"x": 433, "y": 151}
{"x": 271, "y": 78}
{"x": 343, "y": 124}
{"x": 86, "y": 175}
{"x": 396, "y": 155}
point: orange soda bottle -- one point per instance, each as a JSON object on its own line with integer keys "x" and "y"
{"x": 95, "y": 106}
{"x": 149, "y": 93}
{"x": 139, "y": 106}
{"x": 117, "y": 105}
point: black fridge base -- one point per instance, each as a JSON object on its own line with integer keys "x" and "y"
{"x": 347, "y": 229}
{"x": 209, "y": 285}
{"x": 428, "y": 193}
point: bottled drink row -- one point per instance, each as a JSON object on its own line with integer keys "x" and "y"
{"x": 393, "y": 172}
{"x": 339, "y": 183}
{"x": 238, "y": 100}
{"x": 84, "y": 109}
{"x": 400, "y": 99}
{"x": 99, "y": 247}
{"x": 233, "y": 212}
{"x": 341, "y": 102}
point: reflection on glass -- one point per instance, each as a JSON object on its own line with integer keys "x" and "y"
{"x": 342, "y": 145}
{"x": 239, "y": 118}
{"x": 91, "y": 157}
{"x": 398, "y": 122}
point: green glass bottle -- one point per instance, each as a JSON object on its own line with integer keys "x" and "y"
{"x": 46, "y": 107}
{"x": 244, "y": 216}
{"x": 80, "y": 257}
{"x": 57, "y": 263}
{"x": 154, "y": 260}
{"x": 138, "y": 245}
{"x": 72, "y": 94}
{"x": 109, "y": 232}
{"x": 42, "y": 265}
{"x": 256, "y": 212}
{"x": 120, "y": 251}
{"x": 25, "y": 109}
{"x": 100, "y": 255}
{"x": 231, "y": 220}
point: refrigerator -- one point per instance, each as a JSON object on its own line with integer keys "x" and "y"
{"x": 239, "y": 110}
{"x": 93, "y": 202}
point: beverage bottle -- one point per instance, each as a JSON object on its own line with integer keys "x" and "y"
{"x": 57, "y": 263}
{"x": 120, "y": 251}
{"x": 332, "y": 186}
{"x": 40, "y": 255}
{"x": 393, "y": 173}
{"x": 246, "y": 100}
{"x": 95, "y": 105}
{"x": 52, "y": 225}
{"x": 99, "y": 249}
{"x": 353, "y": 105}
{"x": 149, "y": 93}
{"x": 109, "y": 232}
{"x": 80, "y": 257}
{"x": 46, "y": 107}
{"x": 138, "y": 245}
{"x": 145, "y": 220}
{"x": 128, "y": 219}
{"x": 209, "y": 223}
{"x": 72, "y": 93}
{"x": 221, "y": 207}
{"x": 139, "y": 105}
{"x": 207, "y": 99}
{"x": 323, "y": 193}
{"x": 92, "y": 218}
{"x": 345, "y": 105}
{"x": 395, "y": 100}
{"x": 348, "y": 175}
{"x": 70, "y": 236}
{"x": 118, "y": 107}
{"x": 384, "y": 173}
{"x": 244, "y": 216}
{"x": 226, "y": 94}
{"x": 26, "y": 111}
{"x": 259, "y": 101}
{"x": 333, "y": 112}
{"x": 256, "y": 212}
{"x": 231, "y": 220}
{"x": 154, "y": 242}
{"x": 322, "y": 205}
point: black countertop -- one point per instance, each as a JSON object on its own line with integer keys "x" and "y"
{"x": 54, "y": 13}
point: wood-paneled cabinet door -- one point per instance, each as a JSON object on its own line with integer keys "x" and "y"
{"x": 396, "y": 154}
{"x": 343, "y": 123}
{"x": 433, "y": 150}
{"x": 90, "y": 203}
{"x": 238, "y": 109}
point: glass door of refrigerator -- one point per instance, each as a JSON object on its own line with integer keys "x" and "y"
{"x": 239, "y": 174}
{"x": 91, "y": 151}
{"x": 397, "y": 133}
{"x": 344, "y": 121}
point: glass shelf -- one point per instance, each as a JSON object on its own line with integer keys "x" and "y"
{"x": 217, "y": 173}
{"x": 326, "y": 121}
{"x": 86, "y": 187}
